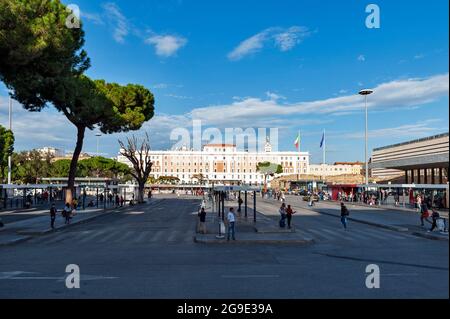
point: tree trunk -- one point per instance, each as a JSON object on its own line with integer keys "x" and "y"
{"x": 141, "y": 191}
{"x": 73, "y": 164}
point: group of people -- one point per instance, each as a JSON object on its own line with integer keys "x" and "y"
{"x": 423, "y": 209}
{"x": 68, "y": 212}
{"x": 286, "y": 214}
{"x": 231, "y": 221}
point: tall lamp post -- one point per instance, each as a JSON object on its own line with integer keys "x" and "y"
{"x": 10, "y": 128}
{"x": 365, "y": 93}
{"x": 98, "y": 134}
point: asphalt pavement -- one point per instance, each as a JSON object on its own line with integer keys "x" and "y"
{"x": 149, "y": 252}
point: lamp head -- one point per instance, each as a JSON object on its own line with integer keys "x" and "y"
{"x": 365, "y": 92}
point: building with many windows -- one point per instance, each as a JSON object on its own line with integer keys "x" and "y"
{"x": 222, "y": 164}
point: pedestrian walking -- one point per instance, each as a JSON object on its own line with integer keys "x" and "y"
{"x": 52, "y": 216}
{"x": 344, "y": 214}
{"x": 425, "y": 213}
{"x": 122, "y": 200}
{"x": 419, "y": 203}
{"x": 66, "y": 213}
{"x": 289, "y": 213}
{"x": 231, "y": 224}
{"x": 202, "y": 221}
{"x": 282, "y": 212}
{"x": 240, "y": 201}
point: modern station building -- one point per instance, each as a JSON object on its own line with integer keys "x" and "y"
{"x": 223, "y": 164}
{"x": 421, "y": 161}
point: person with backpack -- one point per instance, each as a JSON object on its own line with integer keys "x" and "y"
{"x": 66, "y": 213}
{"x": 282, "y": 212}
{"x": 289, "y": 213}
{"x": 344, "y": 214}
{"x": 52, "y": 216}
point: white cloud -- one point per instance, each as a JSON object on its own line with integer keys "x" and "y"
{"x": 34, "y": 129}
{"x": 166, "y": 45}
{"x": 291, "y": 37}
{"x": 419, "y": 56}
{"x": 115, "y": 16}
{"x": 284, "y": 39}
{"x": 160, "y": 86}
{"x": 274, "y": 96}
{"x": 180, "y": 97}
{"x": 419, "y": 129}
{"x": 361, "y": 58}
{"x": 92, "y": 17}
{"x": 401, "y": 93}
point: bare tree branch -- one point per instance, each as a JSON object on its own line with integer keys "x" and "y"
{"x": 138, "y": 153}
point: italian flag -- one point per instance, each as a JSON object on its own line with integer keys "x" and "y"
{"x": 297, "y": 141}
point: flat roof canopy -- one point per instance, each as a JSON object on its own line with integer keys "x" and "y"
{"x": 243, "y": 188}
{"x": 420, "y": 162}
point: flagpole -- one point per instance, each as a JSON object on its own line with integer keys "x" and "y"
{"x": 324, "y": 147}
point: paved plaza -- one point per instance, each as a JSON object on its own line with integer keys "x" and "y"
{"x": 148, "y": 251}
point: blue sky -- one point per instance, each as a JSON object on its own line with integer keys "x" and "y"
{"x": 295, "y": 65}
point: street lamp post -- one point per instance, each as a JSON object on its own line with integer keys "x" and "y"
{"x": 98, "y": 136}
{"x": 10, "y": 128}
{"x": 365, "y": 93}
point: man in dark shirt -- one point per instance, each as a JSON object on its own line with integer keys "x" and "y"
{"x": 52, "y": 216}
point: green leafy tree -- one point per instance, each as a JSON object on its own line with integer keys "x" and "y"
{"x": 6, "y": 150}
{"x": 171, "y": 180}
{"x": 103, "y": 167}
{"x": 29, "y": 166}
{"x": 60, "y": 168}
{"x": 268, "y": 169}
{"x": 38, "y": 52}
{"x": 42, "y": 62}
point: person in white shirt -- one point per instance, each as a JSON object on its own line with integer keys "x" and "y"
{"x": 231, "y": 221}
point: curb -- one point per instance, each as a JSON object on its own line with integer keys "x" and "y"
{"x": 253, "y": 241}
{"x": 15, "y": 241}
{"x": 429, "y": 236}
{"x": 394, "y": 228}
{"x": 85, "y": 220}
{"x": 274, "y": 231}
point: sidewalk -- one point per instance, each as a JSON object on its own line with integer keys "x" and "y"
{"x": 22, "y": 230}
{"x": 264, "y": 231}
{"x": 397, "y": 220}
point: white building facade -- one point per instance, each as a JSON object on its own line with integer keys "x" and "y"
{"x": 53, "y": 151}
{"x": 223, "y": 164}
